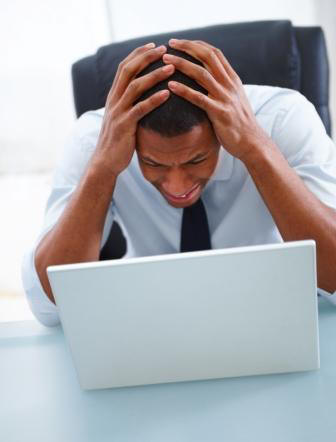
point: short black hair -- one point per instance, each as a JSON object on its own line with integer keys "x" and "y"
{"x": 176, "y": 115}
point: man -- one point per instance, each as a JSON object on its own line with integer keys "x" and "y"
{"x": 178, "y": 126}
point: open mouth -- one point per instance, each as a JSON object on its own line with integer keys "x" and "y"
{"x": 184, "y": 197}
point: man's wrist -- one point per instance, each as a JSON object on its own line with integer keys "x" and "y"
{"x": 99, "y": 169}
{"x": 259, "y": 151}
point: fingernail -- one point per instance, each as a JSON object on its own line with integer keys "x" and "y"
{"x": 167, "y": 57}
{"x": 161, "y": 48}
{"x": 150, "y": 45}
{"x": 172, "y": 41}
{"x": 164, "y": 93}
{"x": 172, "y": 84}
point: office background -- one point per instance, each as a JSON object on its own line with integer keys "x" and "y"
{"x": 40, "y": 40}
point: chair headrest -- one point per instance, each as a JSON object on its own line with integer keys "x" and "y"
{"x": 263, "y": 52}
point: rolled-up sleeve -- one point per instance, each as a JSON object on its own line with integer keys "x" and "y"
{"x": 43, "y": 309}
{"x": 77, "y": 153}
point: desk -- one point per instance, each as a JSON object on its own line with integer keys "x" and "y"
{"x": 40, "y": 399}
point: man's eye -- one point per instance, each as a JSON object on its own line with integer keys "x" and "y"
{"x": 197, "y": 161}
{"x": 152, "y": 164}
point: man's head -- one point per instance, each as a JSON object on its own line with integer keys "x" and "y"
{"x": 176, "y": 144}
{"x": 175, "y": 116}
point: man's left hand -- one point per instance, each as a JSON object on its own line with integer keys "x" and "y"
{"x": 226, "y": 104}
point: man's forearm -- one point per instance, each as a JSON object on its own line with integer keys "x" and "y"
{"x": 297, "y": 212}
{"x": 77, "y": 235}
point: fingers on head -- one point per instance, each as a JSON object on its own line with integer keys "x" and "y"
{"x": 139, "y": 85}
{"x": 144, "y": 107}
{"x": 216, "y": 52}
{"x": 197, "y": 98}
{"x": 135, "y": 53}
{"x": 129, "y": 69}
{"x": 196, "y": 72}
{"x": 136, "y": 64}
{"x": 211, "y": 56}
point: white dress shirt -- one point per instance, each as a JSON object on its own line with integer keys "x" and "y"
{"x": 236, "y": 212}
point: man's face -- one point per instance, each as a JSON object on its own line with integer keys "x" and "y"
{"x": 179, "y": 167}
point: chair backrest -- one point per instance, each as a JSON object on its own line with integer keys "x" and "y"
{"x": 264, "y": 52}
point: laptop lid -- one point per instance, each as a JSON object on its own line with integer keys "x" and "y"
{"x": 181, "y": 317}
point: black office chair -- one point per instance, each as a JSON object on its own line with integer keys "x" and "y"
{"x": 271, "y": 53}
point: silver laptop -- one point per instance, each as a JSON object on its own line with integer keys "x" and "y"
{"x": 181, "y": 317}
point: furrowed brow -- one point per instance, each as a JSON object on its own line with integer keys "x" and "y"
{"x": 195, "y": 158}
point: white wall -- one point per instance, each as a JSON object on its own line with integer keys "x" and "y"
{"x": 39, "y": 40}
{"x": 150, "y": 16}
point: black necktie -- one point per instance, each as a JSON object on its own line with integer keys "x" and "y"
{"x": 195, "y": 233}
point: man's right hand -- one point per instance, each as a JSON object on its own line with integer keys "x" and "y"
{"x": 76, "y": 236}
{"x": 116, "y": 143}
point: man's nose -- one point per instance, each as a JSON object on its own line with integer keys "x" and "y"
{"x": 176, "y": 182}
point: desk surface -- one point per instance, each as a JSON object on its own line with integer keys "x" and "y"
{"x": 41, "y": 399}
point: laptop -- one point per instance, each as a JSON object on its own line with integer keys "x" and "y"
{"x": 190, "y": 316}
